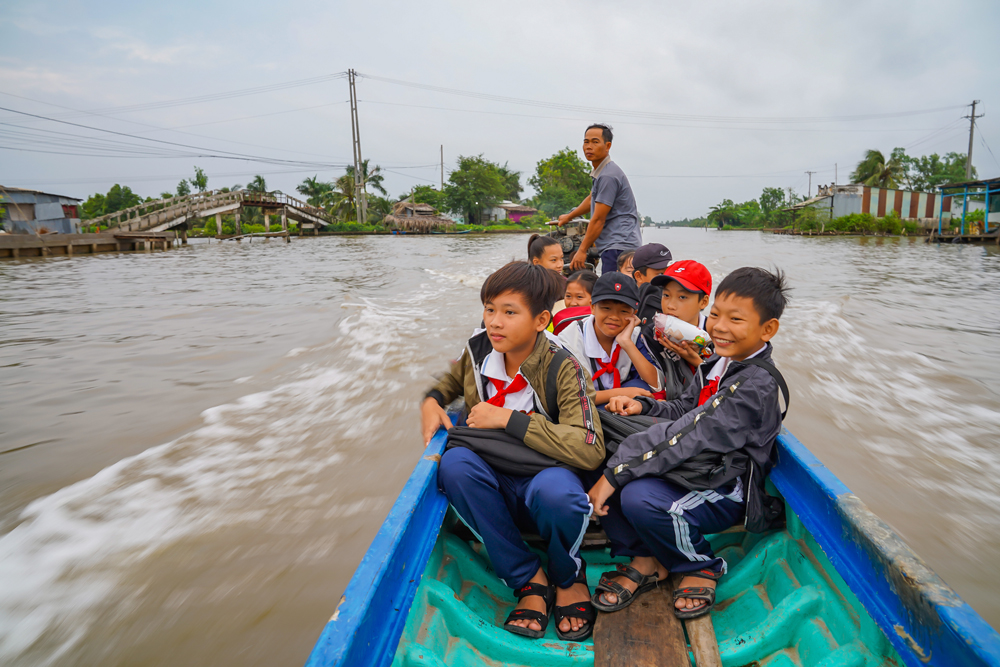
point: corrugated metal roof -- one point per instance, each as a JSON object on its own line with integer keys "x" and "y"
{"x": 4, "y": 188}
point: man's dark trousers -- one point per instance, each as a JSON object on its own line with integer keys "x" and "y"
{"x": 609, "y": 260}
{"x": 652, "y": 517}
{"x": 498, "y": 507}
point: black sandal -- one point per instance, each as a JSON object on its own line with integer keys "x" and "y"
{"x": 582, "y": 610}
{"x": 547, "y": 593}
{"x": 697, "y": 593}
{"x": 647, "y": 582}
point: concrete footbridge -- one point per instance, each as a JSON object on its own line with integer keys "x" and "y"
{"x": 178, "y": 213}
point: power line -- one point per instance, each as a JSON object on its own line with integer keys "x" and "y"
{"x": 707, "y": 127}
{"x": 211, "y": 97}
{"x": 219, "y": 154}
{"x": 654, "y": 115}
{"x": 177, "y": 130}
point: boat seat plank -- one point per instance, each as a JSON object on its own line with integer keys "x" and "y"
{"x": 704, "y": 645}
{"x": 644, "y": 634}
{"x": 701, "y": 632}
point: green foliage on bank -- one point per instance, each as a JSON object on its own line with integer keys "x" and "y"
{"x": 855, "y": 223}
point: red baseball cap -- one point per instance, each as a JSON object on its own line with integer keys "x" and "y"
{"x": 692, "y": 275}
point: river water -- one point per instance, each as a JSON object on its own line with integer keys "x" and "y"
{"x": 199, "y": 445}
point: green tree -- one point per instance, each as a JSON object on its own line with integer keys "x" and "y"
{"x": 341, "y": 202}
{"x": 119, "y": 198}
{"x": 929, "y": 171}
{"x": 200, "y": 180}
{"x": 183, "y": 188}
{"x": 372, "y": 178}
{"x": 425, "y": 194}
{"x": 474, "y": 186}
{"x": 378, "y": 208}
{"x": 724, "y": 212}
{"x": 511, "y": 182}
{"x": 561, "y": 182}
{"x": 876, "y": 171}
{"x": 258, "y": 184}
{"x": 316, "y": 192}
{"x": 93, "y": 207}
{"x": 771, "y": 199}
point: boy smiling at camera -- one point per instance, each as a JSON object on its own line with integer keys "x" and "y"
{"x": 656, "y": 508}
{"x": 504, "y": 374}
{"x": 609, "y": 343}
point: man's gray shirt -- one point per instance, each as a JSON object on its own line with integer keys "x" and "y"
{"x": 621, "y": 227}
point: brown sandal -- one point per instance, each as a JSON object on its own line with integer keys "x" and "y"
{"x": 697, "y": 593}
{"x": 646, "y": 582}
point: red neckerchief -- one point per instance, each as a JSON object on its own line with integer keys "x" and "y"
{"x": 516, "y": 385}
{"x": 708, "y": 391}
{"x": 610, "y": 367}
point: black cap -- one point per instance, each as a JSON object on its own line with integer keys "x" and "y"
{"x": 615, "y": 286}
{"x": 651, "y": 256}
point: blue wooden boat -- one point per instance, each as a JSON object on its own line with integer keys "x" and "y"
{"x": 836, "y": 587}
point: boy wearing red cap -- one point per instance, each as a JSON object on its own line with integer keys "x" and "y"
{"x": 686, "y": 287}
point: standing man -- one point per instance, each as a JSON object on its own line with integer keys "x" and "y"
{"x": 614, "y": 218}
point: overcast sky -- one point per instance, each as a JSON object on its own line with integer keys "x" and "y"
{"x": 708, "y": 99}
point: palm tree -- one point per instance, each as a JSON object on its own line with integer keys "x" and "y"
{"x": 258, "y": 184}
{"x": 341, "y": 198}
{"x": 317, "y": 192}
{"x": 876, "y": 171}
{"x": 371, "y": 177}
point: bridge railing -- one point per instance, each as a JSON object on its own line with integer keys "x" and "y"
{"x": 165, "y": 209}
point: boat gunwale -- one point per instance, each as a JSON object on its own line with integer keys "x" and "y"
{"x": 371, "y": 614}
{"x": 921, "y": 616}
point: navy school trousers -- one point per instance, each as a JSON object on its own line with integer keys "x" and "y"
{"x": 497, "y": 507}
{"x": 650, "y": 516}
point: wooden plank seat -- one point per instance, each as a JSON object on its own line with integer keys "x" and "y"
{"x": 644, "y": 634}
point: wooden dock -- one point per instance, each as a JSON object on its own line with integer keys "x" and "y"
{"x": 16, "y": 246}
{"x": 993, "y": 238}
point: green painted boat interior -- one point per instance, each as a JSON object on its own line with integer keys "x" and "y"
{"x": 782, "y": 604}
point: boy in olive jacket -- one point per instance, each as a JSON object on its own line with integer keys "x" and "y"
{"x": 502, "y": 375}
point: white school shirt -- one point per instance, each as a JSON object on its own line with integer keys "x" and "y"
{"x": 719, "y": 369}
{"x": 493, "y": 367}
{"x": 592, "y": 348}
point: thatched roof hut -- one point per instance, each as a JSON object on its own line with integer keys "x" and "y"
{"x": 414, "y": 217}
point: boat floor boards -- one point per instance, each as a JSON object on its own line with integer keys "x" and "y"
{"x": 781, "y": 605}
{"x": 644, "y": 634}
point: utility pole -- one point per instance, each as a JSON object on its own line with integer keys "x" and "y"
{"x": 359, "y": 184}
{"x": 442, "y": 167}
{"x": 972, "y": 128}
{"x": 809, "y": 191}
{"x": 835, "y": 179}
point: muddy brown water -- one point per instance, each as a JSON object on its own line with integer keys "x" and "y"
{"x": 199, "y": 445}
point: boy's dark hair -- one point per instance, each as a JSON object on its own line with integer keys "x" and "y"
{"x": 585, "y": 278}
{"x": 537, "y": 245}
{"x": 624, "y": 257}
{"x": 768, "y": 290}
{"x": 605, "y": 131}
{"x": 539, "y": 286}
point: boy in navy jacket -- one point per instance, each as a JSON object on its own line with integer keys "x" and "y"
{"x": 731, "y": 409}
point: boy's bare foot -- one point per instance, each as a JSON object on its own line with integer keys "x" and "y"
{"x": 533, "y": 602}
{"x": 646, "y": 565}
{"x": 689, "y": 604}
{"x": 577, "y": 593}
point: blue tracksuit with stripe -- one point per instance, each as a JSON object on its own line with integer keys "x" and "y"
{"x": 650, "y": 516}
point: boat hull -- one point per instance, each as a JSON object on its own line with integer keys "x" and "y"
{"x": 837, "y": 587}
